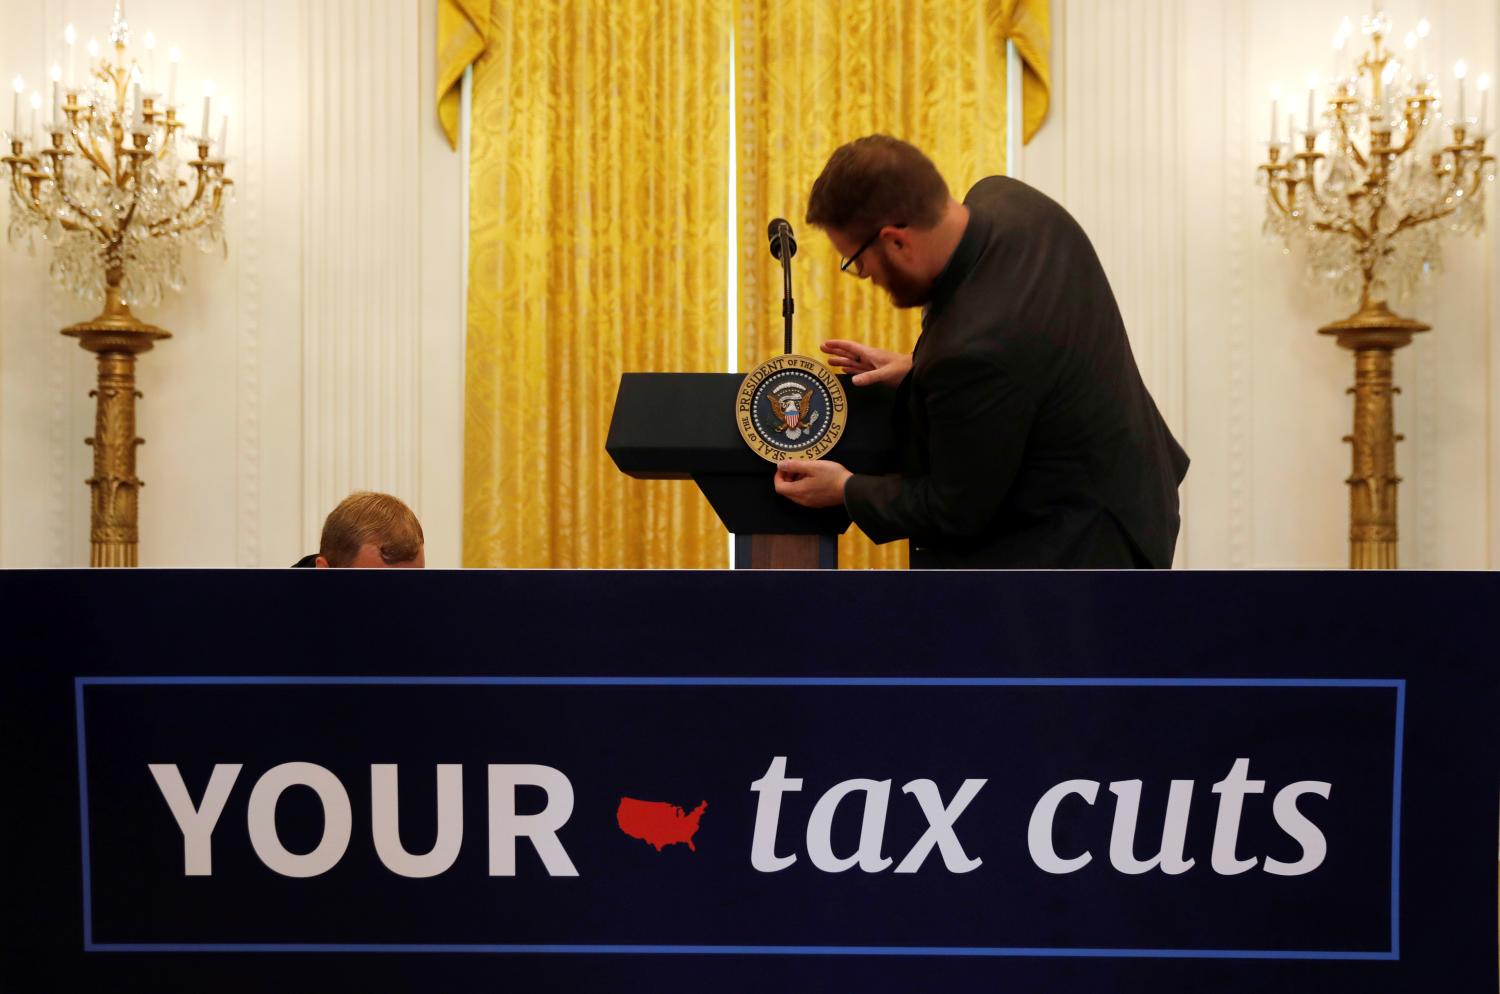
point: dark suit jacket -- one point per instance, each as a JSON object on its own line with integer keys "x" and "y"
{"x": 1029, "y": 439}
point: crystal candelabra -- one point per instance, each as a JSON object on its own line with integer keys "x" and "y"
{"x": 1386, "y": 169}
{"x": 107, "y": 187}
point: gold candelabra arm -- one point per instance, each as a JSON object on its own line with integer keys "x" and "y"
{"x": 89, "y": 149}
{"x": 1284, "y": 200}
{"x": 1307, "y": 161}
{"x": 1325, "y": 205}
{"x": 73, "y": 205}
{"x": 1346, "y": 143}
{"x": 172, "y": 222}
{"x": 19, "y": 165}
{"x": 1347, "y": 228}
{"x": 1414, "y": 129}
{"x": 1452, "y": 201}
{"x": 125, "y": 222}
{"x": 136, "y": 156}
{"x": 177, "y": 220}
{"x": 1273, "y": 179}
{"x": 1289, "y": 182}
{"x": 29, "y": 199}
{"x": 170, "y": 124}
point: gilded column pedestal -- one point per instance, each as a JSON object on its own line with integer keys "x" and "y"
{"x": 1373, "y": 334}
{"x": 116, "y": 337}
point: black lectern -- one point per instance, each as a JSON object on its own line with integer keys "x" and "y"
{"x": 680, "y": 426}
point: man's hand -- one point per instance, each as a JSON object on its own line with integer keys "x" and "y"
{"x": 869, "y": 365}
{"x": 811, "y": 483}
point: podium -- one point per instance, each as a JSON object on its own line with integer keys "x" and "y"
{"x": 681, "y": 426}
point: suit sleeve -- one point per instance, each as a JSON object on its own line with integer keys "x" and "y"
{"x": 979, "y": 412}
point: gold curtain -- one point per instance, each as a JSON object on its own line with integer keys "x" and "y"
{"x": 598, "y": 129}
{"x": 1028, "y": 23}
{"x": 811, "y": 75}
{"x": 597, "y": 245}
{"x": 462, "y": 33}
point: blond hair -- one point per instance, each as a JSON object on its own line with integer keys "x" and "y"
{"x": 378, "y": 519}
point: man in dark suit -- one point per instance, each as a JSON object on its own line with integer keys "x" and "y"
{"x": 1028, "y": 438}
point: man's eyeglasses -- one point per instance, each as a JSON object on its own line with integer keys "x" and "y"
{"x": 848, "y": 263}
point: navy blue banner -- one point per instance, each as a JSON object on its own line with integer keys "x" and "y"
{"x": 1057, "y": 801}
{"x": 1127, "y": 782}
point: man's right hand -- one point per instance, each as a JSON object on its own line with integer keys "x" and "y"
{"x": 868, "y": 364}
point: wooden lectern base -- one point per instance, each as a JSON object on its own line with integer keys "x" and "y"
{"x": 786, "y": 552}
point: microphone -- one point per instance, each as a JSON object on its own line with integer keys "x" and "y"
{"x": 779, "y": 227}
{"x": 783, "y": 247}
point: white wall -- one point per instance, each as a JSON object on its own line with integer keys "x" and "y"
{"x": 325, "y": 355}
{"x": 1157, "y": 125}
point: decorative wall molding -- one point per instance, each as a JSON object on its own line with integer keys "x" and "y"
{"x": 1237, "y": 167}
{"x": 361, "y": 327}
{"x": 1122, "y": 71}
{"x": 1492, "y": 380}
{"x": 250, "y": 138}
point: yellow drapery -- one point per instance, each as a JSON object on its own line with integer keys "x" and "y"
{"x": 597, "y": 245}
{"x": 1028, "y": 23}
{"x": 463, "y": 29}
{"x": 562, "y": 163}
{"x": 811, "y": 75}
{"x": 462, "y": 34}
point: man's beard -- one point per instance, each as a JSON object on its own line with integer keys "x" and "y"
{"x": 905, "y": 290}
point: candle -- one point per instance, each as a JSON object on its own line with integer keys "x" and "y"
{"x": 173, "y": 57}
{"x": 18, "y": 85}
{"x": 151, "y": 57}
{"x": 1275, "y": 115}
{"x": 70, "y": 36}
{"x": 1484, "y": 103}
{"x": 93, "y": 52}
{"x": 208, "y": 92}
{"x": 136, "y": 116}
{"x": 1312, "y": 89}
{"x": 1291, "y": 130}
{"x": 1339, "y": 38}
{"x": 57, "y": 100}
{"x": 1387, "y": 90}
{"x": 36, "y": 111}
{"x": 1460, "y": 70}
{"x": 224, "y": 133}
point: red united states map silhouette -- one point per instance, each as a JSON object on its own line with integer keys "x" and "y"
{"x": 659, "y": 823}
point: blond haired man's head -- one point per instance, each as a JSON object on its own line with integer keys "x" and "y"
{"x": 371, "y": 530}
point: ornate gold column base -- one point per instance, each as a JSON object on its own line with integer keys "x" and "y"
{"x": 117, "y": 338}
{"x": 1374, "y": 333}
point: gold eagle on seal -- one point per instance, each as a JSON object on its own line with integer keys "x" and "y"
{"x": 791, "y": 412}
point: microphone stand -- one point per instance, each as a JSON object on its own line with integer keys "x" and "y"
{"x": 786, "y": 279}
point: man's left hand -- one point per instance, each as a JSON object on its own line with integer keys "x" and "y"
{"x": 811, "y": 483}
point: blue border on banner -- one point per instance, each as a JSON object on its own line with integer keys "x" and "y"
{"x": 89, "y": 945}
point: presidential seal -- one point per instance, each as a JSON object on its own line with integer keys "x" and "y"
{"x": 791, "y": 407}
